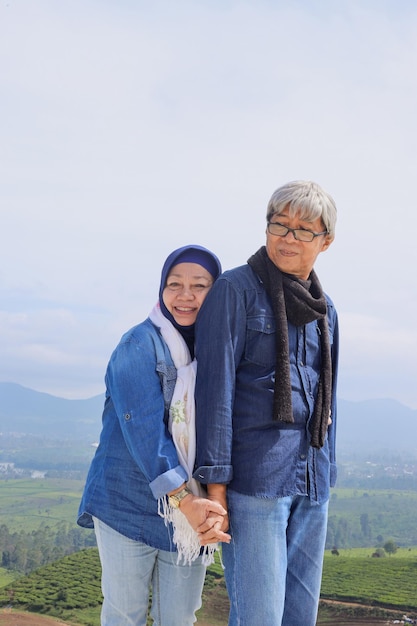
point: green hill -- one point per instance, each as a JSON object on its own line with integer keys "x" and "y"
{"x": 70, "y": 588}
{"x": 38, "y": 528}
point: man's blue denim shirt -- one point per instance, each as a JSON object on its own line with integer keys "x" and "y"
{"x": 136, "y": 461}
{"x": 238, "y": 442}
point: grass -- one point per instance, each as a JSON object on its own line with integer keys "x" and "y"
{"x": 70, "y": 588}
{"x": 354, "y": 553}
{"x": 6, "y": 577}
{"x": 25, "y": 504}
{"x": 353, "y": 576}
{"x": 390, "y": 582}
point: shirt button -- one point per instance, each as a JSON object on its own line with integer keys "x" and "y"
{"x": 303, "y": 456}
{"x": 127, "y": 417}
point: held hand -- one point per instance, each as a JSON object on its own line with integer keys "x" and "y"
{"x": 205, "y": 514}
{"x": 214, "y": 529}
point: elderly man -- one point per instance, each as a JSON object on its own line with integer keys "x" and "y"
{"x": 267, "y": 349}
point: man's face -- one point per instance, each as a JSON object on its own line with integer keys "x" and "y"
{"x": 290, "y": 255}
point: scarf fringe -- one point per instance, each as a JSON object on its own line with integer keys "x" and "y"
{"x": 181, "y": 425}
{"x": 184, "y": 536}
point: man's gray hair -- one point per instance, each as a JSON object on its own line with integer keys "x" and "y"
{"x": 304, "y": 199}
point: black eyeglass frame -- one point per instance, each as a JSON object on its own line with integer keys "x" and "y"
{"x": 294, "y": 231}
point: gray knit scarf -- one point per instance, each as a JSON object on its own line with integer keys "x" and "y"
{"x": 298, "y": 302}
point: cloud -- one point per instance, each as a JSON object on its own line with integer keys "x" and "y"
{"x": 132, "y": 128}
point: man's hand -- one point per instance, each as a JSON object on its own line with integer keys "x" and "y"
{"x": 214, "y": 529}
{"x": 214, "y": 526}
{"x": 207, "y": 517}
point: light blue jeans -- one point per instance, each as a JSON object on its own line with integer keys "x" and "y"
{"x": 131, "y": 568}
{"x": 273, "y": 565}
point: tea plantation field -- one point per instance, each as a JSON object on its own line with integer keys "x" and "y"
{"x": 70, "y": 588}
{"x": 360, "y": 522}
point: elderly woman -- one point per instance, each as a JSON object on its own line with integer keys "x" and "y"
{"x": 139, "y": 494}
{"x": 267, "y": 348}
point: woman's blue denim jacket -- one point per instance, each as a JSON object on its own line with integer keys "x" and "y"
{"x": 238, "y": 442}
{"x": 136, "y": 462}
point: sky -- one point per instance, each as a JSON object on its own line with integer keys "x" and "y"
{"x": 130, "y": 128}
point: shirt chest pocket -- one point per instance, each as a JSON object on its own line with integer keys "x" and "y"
{"x": 260, "y": 341}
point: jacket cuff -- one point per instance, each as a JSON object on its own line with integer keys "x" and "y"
{"x": 164, "y": 483}
{"x": 209, "y": 474}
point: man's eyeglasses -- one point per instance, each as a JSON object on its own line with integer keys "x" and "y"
{"x": 301, "y": 234}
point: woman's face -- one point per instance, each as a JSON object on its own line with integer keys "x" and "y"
{"x": 186, "y": 287}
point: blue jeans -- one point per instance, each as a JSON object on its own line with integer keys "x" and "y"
{"x": 273, "y": 565}
{"x": 130, "y": 568}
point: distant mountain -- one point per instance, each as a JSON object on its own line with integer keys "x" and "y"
{"x": 364, "y": 426}
{"x": 377, "y": 424}
{"x": 24, "y": 410}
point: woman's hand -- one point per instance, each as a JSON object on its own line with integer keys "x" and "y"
{"x": 214, "y": 529}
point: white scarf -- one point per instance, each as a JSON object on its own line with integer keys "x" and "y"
{"x": 181, "y": 425}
